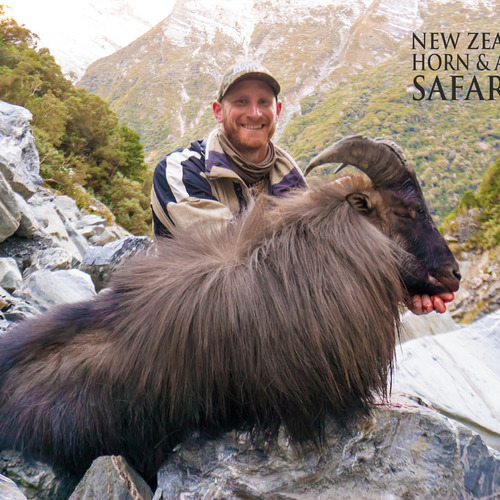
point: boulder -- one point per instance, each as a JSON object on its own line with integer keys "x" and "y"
{"x": 404, "y": 450}
{"x": 46, "y": 289}
{"x": 479, "y": 292}
{"x": 10, "y": 276}
{"x": 28, "y": 224}
{"x": 90, "y": 225}
{"x": 53, "y": 226}
{"x": 101, "y": 261}
{"x": 19, "y": 161}
{"x": 36, "y": 480}
{"x": 24, "y": 249}
{"x": 112, "y": 478}
{"x": 458, "y": 373}
{"x": 13, "y": 309}
{"x": 414, "y": 326}
{"x": 9, "y": 210}
{"x": 51, "y": 259}
{"x": 67, "y": 206}
{"x": 9, "y": 490}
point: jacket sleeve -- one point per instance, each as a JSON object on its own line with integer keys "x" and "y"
{"x": 181, "y": 196}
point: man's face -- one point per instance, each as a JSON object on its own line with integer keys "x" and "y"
{"x": 248, "y": 114}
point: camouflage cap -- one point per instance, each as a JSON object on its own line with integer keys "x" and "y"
{"x": 247, "y": 71}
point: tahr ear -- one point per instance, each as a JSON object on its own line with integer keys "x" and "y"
{"x": 360, "y": 201}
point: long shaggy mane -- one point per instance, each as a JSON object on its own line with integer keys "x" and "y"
{"x": 287, "y": 316}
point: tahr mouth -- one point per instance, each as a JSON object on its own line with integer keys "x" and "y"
{"x": 443, "y": 283}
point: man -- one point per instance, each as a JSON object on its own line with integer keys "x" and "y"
{"x": 215, "y": 179}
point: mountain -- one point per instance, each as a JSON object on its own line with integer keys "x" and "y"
{"x": 82, "y": 31}
{"x": 343, "y": 69}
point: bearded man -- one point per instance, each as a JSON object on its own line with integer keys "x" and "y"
{"x": 215, "y": 179}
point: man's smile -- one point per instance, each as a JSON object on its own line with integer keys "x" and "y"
{"x": 253, "y": 127}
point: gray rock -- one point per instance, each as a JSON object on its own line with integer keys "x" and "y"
{"x": 15, "y": 310}
{"x": 9, "y": 210}
{"x": 104, "y": 238}
{"x": 100, "y": 262}
{"x": 46, "y": 289}
{"x": 52, "y": 259}
{"x": 479, "y": 292}
{"x": 10, "y": 276}
{"x": 414, "y": 326}
{"x": 9, "y": 490}
{"x": 404, "y": 451}
{"x": 67, "y": 206}
{"x": 23, "y": 250}
{"x": 27, "y": 223}
{"x": 458, "y": 373}
{"x": 112, "y": 478}
{"x": 19, "y": 161}
{"x": 36, "y": 480}
{"x": 53, "y": 226}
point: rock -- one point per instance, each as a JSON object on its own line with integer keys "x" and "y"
{"x": 100, "y": 262}
{"x": 458, "y": 373}
{"x": 9, "y": 210}
{"x": 414, "y": 326}
{"x": 13, "y": 309}
{"x": 36, "y": 480}
{"x": 91, "y": 225}
{"x": 10, "y": 276}
{"x": 103, "y": 239}
{"x": 479, "y": 292}
{"x": 50, "y": 288}
{"x": 19, "y": 161}
{"x": 466, "y": 225}
{"x": 23, "y": 250}
{"x": 51, "y": 259}
{"x": 112, "y": 478}
{"x": 67, "y": 206}
{"x": 9, "y": 490}
{"x": 53, "y": 226}
{"x": 405, "y": 450}
{"x": 27, "y": 223}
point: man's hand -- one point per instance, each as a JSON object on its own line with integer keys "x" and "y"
{"x": 424, "y": 304}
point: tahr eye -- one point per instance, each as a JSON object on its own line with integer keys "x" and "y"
{"x": 402, "y": 214}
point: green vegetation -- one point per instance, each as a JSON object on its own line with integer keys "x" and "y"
{"x": 487, "y": 201}
{"x": 78, "y": 137}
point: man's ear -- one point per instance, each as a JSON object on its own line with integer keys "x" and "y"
{"x": 278, "y": 109}
{"x": 360, "y": 201}
{"x": 217, "y": 107}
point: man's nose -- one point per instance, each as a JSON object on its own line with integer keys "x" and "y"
{"x": 254, "y": 110}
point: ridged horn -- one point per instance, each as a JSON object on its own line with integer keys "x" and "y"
{"x": 381, "y": 159}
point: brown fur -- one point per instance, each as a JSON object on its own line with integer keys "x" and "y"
{"x": 285, "y": 317}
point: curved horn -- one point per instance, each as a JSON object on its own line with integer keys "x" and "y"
{"x": 381, "y": 159}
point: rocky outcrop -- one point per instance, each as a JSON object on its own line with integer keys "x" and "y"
{"x": 405, "y": 450}
{"x": 479, "y": 292}
{"x": 36, "y": 480}
{"x": 44, "y": 236}
{"x": 9, "y": 490}
{"x": 112, "y": 478}
{"x": 19, "y": 162}
{"x": 457, "y": 373}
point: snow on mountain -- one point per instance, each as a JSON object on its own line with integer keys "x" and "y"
{"x": 78, "y": 32}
